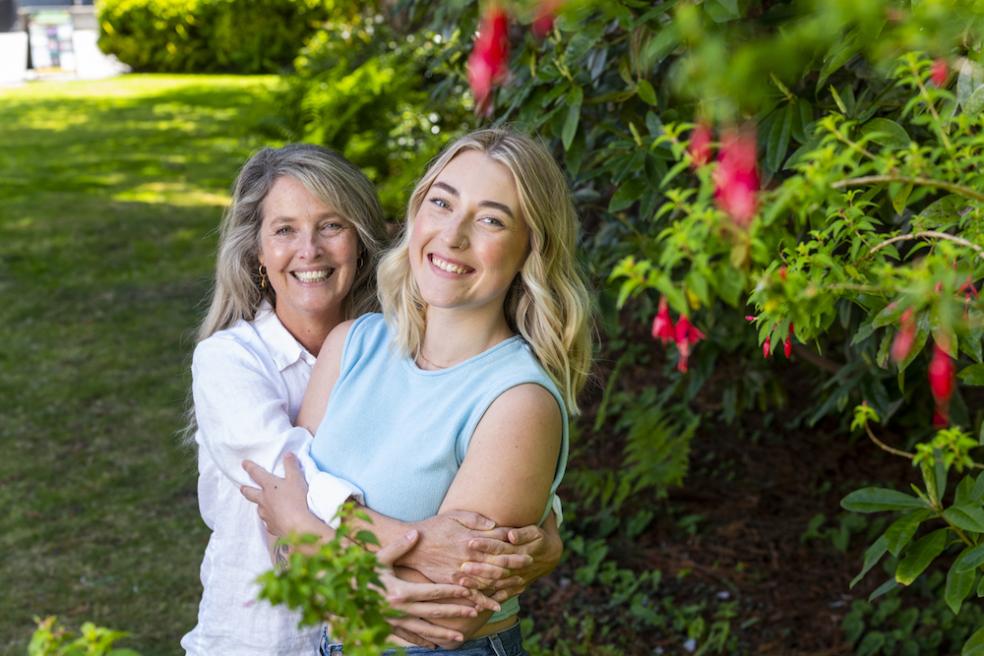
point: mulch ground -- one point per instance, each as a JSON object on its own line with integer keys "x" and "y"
{"x": 754, "y": 499}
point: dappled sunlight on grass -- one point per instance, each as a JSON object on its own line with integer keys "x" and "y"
{"x": 111, "y": 193}
{"x": 171, "y": 193}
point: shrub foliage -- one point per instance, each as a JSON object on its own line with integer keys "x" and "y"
{"x": 197, "y": 36}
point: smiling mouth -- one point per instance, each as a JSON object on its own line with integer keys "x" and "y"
{"x": 450, "y": 267}
{"x": 312, "y": 276}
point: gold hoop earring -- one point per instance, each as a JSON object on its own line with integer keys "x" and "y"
{"x": 263, "y": 277}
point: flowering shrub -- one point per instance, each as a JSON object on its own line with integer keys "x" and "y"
{"x": 823, "y": 185}
{"x": 51, "y": 639}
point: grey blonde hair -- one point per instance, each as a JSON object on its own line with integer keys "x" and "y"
{"x": 548, "y": 303}
{"x": 331, "y": 178}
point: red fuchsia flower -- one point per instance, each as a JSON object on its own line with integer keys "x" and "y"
{"x": 736, "y": 180}
{"x": 685, "y": 335}
{"x": 905, "y": 337}
{"x": 543, "y": 19}
{"x": 939, "y": 72}
{"x": 767, "y": 347}
{"x": 700, "y": 144}
{"x": 787, "y": 346}
{"x": 662, "y": 323}
{"x": 488, "y": 63}
{"x": 941, "y": 370}
{"x": 750, "y": 318}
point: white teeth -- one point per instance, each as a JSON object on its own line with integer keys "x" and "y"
{"x": 444, "y": 265}
{"x": 312, "y": 276}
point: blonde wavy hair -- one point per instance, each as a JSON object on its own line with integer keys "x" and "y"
{"x": 548, "y": 303}
{"x": 331, "y": 178}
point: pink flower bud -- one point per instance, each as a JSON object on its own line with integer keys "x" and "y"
{"x": 543, "y": 19}
{"x": 905, "y": 337}
{"x": 700, "y": 144}
{"x": 750, "y": 318}
{"x": 767, "y": 347}
{"x": 489, "y": 60}
{"x": 662, "y": 323}
{"x": 939, "y": 72}
{"x": 685, "y": 336}
{"x": 736, "y": 181}
{"x": 941, "y": 371}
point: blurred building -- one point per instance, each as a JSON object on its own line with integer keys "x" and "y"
{"x": 51, "y": 38}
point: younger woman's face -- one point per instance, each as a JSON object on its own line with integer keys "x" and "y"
{"x": 469, "y": 238}
{"x": 310, "y": 252}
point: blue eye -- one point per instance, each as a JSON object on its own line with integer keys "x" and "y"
{"x": 493, "y": 221}
{"x": 440, "y": 202}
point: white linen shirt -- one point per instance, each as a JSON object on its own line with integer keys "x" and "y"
{"x": 248, "y": 384}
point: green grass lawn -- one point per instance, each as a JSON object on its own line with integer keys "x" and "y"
{"x": 110, "y": 193}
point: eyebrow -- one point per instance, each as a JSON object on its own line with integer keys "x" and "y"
{"x": 287, "y": 218}
{"x": 485, "y": 203}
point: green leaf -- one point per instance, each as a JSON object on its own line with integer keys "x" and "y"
{"x": 975, "y": 103}
{"x": 972, "y": 558}
{"x": 885, "y": 132}
{"x": 980, "y": 587}
{"x": 574, "y": 100}
{"x": 918, "y": 556}
{"x": 778, "y": 141}
{"x": 900, "y": 533}
{"x": 969, "y": 518}
{"x": 647, "y": 93}
{"x": 878, "y": 499}
{"x": 972, "y": 375}
{"x": 882, "y": 589}
{"x": 627, "y": 193}
{"x": 900, "y": 196}
{"x": 871, "y": 644}
{"x": 974, "y": 645}
{"x": 959, "y": 583}
{"x": 871, "y": 557}
{"x": 722, "y": 11}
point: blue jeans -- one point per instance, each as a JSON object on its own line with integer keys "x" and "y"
{"x": 508, "y": 642}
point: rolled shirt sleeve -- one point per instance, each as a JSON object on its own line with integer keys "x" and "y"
{"x": 242, "y": 411}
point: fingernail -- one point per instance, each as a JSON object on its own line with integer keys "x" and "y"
{"x": 411, "y": 535}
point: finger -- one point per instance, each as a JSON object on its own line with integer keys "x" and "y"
{"x": 474, "y": 582}
{"x": 429, "y": 631}
{"x": 411, "y": 637}
{"x": 405, "y": 591}
{"x": 485, "y": 571}
{"x": 506, "y": 561}
{"x": 257, "y": 473}
{"x": 292, "y": 468}
{"x": 525, "y": 535}
{"x": 251, "y": 493}
{"x": 491, "y": 546}
{"x": 511, "y": 583}
{"x": 459, "y": 578}
{"x": 508, "y": 593}
{"x": 393, "y": 552}
{"x": 472, "y": 520}
{"x": 484, "y": 602}
{"x": 436, "y": 611}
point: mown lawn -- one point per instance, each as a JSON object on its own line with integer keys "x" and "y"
{"x": 110, "y": 193}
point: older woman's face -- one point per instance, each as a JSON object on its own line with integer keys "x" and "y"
{"x": 310, "y": 252}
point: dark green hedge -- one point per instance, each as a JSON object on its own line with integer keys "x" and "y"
{"x": 197, "y": 36}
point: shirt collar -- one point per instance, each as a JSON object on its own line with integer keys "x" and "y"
{"x": 283, "y": 347}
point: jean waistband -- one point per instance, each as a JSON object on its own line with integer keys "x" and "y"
{"x": 508, "y": 642}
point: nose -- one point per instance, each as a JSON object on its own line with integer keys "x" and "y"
{"x": 311, "y": 247}
{"x": 455, "y": 232}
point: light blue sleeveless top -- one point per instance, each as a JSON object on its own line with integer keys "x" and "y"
{"x": 400, "y": 433}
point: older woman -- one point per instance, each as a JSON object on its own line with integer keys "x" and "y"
{"x": 297, "y": 254}
{"x": 471, "y": 369}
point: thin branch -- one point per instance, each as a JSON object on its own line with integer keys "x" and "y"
{"x": 885, "y": 447}
{"x": 916, "y": 180}
{"x": 816, "y": 359}
{"x": 929, "y": 233}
